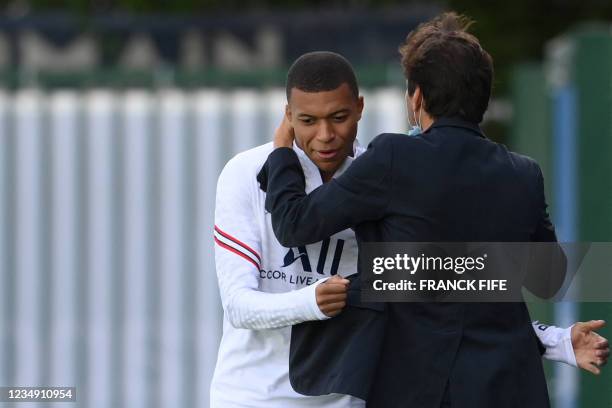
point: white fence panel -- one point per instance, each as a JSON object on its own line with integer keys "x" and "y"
{"x": 106, "y": 252}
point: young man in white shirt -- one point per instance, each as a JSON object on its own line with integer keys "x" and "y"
{"x": 266, "y": 288}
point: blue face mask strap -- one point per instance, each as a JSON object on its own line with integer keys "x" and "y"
{"x": 416, "y": 129}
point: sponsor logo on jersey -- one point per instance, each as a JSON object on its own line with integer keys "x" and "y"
{"x": 293, "y": 254}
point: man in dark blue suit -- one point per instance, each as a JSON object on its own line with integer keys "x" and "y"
{"x": 448, "y": 183}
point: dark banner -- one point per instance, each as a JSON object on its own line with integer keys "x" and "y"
{"x": 252, "y": 40}
{"x": 486, "y": 272}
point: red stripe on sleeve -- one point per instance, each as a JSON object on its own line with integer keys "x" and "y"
{"x": 242, "y": 244}
{"x": 229, "y": 248}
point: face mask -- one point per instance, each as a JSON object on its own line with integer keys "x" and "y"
{"x": 416, "y": 130}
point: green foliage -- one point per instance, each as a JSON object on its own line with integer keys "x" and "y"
{"x": 514, "y": 31}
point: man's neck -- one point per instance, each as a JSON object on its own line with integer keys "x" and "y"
{"x": 426, "y": 123}
{"x": 326, "y": 175}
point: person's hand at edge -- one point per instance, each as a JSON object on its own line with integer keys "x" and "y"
{"x": 591, "y": 349}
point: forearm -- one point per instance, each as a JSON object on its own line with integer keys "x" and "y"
{"x": 248, "y": 308}
{"x": 294, "y": 222}
{"x": 360, "y": 194}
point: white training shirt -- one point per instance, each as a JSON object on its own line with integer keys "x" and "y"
{"x": 266, "y": 288}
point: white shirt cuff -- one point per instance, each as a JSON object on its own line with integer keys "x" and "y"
{"x": 559, "y": 346}
{"x": 314, "y": 307}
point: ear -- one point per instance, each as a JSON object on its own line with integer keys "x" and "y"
{"x": 416, "y": 99}
{"x": 360, "y": 105}
{"x": 288, "y": 113}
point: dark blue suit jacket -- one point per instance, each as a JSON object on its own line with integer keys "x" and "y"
{"x": 449, "y": 184}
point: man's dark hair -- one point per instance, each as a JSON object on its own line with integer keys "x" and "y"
{"x": 321, "y": 71}
{"x": 454, "y": 72}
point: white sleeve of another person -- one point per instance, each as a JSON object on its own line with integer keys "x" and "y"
{"x": 557, "y": 341}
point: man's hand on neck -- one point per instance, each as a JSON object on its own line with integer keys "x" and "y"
{"x": 284, "y": 135}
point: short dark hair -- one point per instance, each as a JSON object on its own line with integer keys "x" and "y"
{"x": 321, "y": 71}
{"x": 454, "y": 72}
